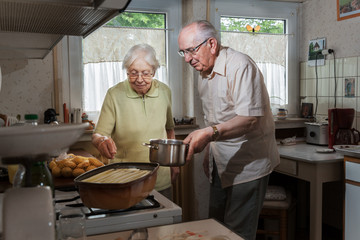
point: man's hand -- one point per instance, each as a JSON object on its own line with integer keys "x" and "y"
{"x": 197, "y": 141}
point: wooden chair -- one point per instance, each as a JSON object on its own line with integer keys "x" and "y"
{"x": 278, "y": 210}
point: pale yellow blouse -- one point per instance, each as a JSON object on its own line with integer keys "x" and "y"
{"x": 132, "y": 119}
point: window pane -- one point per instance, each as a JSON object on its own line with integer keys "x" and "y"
{"x": 137, "y": 19}
{"x": 104, "y": 51}
{"x": 239, "y": 24}
{"x": 267, "y": 50}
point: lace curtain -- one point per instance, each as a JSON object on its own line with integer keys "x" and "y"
{"x": 269, "y": 52}
{"x": 103, "y": 53}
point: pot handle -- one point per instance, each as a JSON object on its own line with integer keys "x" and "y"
{"x": 150, "y": 146}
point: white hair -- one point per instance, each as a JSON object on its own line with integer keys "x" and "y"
{"x": 144, "y": 51}
{"x": 206, "y": 30}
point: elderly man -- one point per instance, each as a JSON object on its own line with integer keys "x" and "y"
{"x": 240, "y": 137}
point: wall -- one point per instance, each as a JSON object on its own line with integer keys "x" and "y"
{"x": 27, "y": 86}
{"x": 319, "y": 20}
{"x": 195, "y": 10}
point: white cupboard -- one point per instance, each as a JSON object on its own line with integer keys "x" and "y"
{"x": 352, "y": 198}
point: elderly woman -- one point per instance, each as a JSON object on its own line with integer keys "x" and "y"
{"x": 135, "y": 111}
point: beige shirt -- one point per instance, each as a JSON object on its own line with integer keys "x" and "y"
{"x": 131, "y": 119}
{"x": 236, "y": 87}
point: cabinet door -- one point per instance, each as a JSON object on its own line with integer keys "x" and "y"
{"x": 352, "y": 170}
{"x": 352, "y": 212}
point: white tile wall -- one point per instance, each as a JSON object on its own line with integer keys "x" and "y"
{"x": 338, "y": 67}
{"x": 350, "y": 67}
{"x": 345, "y": 68}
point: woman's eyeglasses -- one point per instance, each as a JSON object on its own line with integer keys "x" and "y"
{"x": 191, "y": 51}
{"x": 144, "y": 75}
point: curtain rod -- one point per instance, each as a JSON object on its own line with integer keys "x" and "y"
{"x": 162, "y": 29}
{"x": 277, "y": 34}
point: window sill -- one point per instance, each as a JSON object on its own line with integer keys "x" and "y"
{"x": 290, "y": 123}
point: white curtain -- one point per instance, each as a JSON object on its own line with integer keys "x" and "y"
{"x": 99, "y": 77}
{"x": 103, "y": 53}
{"x": 269, "y": 52}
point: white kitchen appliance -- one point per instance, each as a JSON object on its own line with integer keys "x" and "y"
{"x": 317, "y": 133}
{"x": 155, "y": 210}
{"x": 28, "y": 213}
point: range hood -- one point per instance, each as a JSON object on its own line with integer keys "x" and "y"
{"x": 29, "y": 29}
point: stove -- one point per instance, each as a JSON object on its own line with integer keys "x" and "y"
{"x": 155, "y": 210}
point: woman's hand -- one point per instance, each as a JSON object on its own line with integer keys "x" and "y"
{"x": 174, "y": 173}
{"x": 105, "y": 145}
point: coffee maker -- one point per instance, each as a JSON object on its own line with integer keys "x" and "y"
{"x": 340, "y": 127}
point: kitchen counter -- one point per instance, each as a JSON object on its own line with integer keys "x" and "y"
{"x": 302, "y": 161}
{"x": 208, "y": 228}
{"x": 304, "y": 152}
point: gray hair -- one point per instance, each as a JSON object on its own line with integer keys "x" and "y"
{"x": 144, "y": 51}
{"x": 206, "y": 30}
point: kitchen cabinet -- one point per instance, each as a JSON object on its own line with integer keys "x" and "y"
{"x": 352, "y": 197}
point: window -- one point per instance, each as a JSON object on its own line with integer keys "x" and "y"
{"x": 273, "y": 47}
{"x": 76, "y": 92}
{"x": 105, "y": 49}
{"x": 265, "y": 41}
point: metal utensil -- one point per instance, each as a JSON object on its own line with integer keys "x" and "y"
{"x": 167, "y": 152}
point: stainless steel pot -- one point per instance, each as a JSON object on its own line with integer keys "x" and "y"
{"x": 167, "y": 152}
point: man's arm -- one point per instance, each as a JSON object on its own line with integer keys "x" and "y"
{"x": 233, "y": 128}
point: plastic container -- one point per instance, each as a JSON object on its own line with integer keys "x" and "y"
{"x": 12, "y": 168}
{"x": 31, "y": 119}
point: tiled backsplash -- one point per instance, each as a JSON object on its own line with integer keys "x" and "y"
{"x": 347, "y": 70}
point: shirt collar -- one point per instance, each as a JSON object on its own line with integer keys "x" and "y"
{"x": 219, "y": 66}
{"x": 153, "y": 91}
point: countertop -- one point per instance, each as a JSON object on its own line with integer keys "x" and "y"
{"x": 302, "y": 151}
{"x": 206, "y": 229}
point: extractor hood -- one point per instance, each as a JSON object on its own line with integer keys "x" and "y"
{"x": 29, "y": 29}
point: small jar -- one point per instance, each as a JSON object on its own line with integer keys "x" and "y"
{"x": 31, "y": 119}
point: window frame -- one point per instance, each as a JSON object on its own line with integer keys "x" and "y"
{"x": 69, "y": 59}
{"x": 270, "y": 10}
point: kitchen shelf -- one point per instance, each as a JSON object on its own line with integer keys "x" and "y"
{"x": 290, "y": 123}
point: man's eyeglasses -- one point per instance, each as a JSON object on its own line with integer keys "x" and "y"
{"x": 191, "y": 50}
{"x": 144, "y": 75}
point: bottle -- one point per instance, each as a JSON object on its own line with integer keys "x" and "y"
{"x": 40, "y": 175}
{"x": 31, "y": 119}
